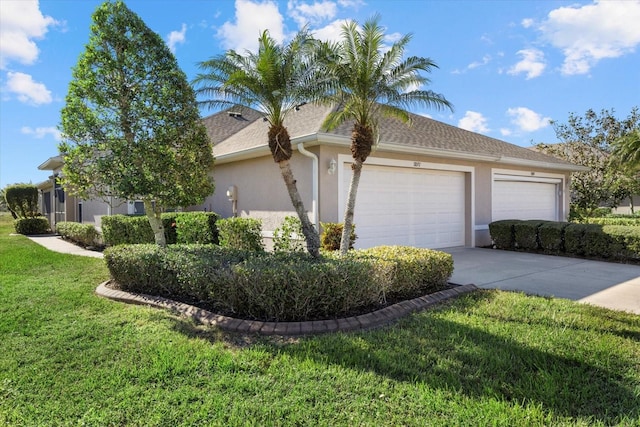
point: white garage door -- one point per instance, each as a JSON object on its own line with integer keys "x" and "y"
{"x": 524, "y": 200}
{"x": 401, "y": 206}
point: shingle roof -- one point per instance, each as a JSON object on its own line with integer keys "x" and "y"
{"x": 231, "y": 135}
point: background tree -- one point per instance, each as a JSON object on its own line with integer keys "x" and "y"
{"x": 372, "y": 81}
{"x": 131, "y": 126}
{"x": 274, "y": 81}
{"x": 588, "y": 141}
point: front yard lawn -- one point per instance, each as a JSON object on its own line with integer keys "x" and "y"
{"x": 69, "y": 357}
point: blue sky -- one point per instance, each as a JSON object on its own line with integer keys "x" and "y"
{"x": 507, "y": 66}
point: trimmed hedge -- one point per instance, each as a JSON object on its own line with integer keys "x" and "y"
{"x": 84, "y": 234}
{"x": 589, "y": 240}
{"x": 179, "y": 227}
{"x": 194, "y": 227}
{"x": 502, "y": 233}
{"x": 613, "y": 221}
{"x": 277, "y": 286}
{"x": 414, "y": 271}
{"x": 22, "y": 200}
{"x": 241, "y": 234}
{"x": 525, "y": 234}
{"x": 551, "y": 236}
{"x": 31, "y": 226}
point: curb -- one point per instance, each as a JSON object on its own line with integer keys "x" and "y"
{"x": 312, "y": 327}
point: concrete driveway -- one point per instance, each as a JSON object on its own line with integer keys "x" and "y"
{"x": 610, "y": 285}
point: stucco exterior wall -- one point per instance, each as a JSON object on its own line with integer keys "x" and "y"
{"x": 261, "y": 192}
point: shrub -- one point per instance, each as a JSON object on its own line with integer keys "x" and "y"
{"x": 597, "y": 243}
{"x": 502, "y": 233}
{"x": 332, "y": 236}
{"x": 123, "y": 229}
{"x": 613, "y": 221}
{"x": 194, "y": 227}
{"x": 84, "y": 234}
{"x": 551, "y": 236}
{"x": 22, "y": 200}
{"x": 574, "y": 238}
{"x": 626, "y": 242}
{"x": 30, "y": 226}
{"x": 241, "y": 233}
{"x": 277, "y": 286}
{"x": 414, "y": 271}
{"x": 288, "y": 237}
{"x": 525, "y": 234}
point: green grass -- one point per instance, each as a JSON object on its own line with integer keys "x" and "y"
{"x": 68, "y": 357}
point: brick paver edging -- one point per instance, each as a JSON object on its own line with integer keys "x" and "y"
{"x": 356, "y": 323}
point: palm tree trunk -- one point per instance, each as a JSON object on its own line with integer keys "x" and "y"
{"x": 356, "y": 171}
{"x": 156, "y": 222}
{"x": 310, "y": 233}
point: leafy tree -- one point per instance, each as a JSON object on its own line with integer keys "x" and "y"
{"x": 372, "y": 81}
{"x": 131, "y": 124}
{"x": 21, "y": 200}
{"x": 588, "y": 141}
{"x": 274, "y": 81}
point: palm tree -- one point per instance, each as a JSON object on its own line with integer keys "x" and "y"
{"x": 274, "y": 81}
{"x": 627, "y": 149}
{"x": 371, "y": 81}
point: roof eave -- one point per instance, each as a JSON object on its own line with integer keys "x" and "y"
{"x": 332, "y": 139}
{"x": 52, "y": 163}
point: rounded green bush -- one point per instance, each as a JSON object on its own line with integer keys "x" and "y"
{"x": 31, "y": 226}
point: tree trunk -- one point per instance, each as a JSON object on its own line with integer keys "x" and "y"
{"x": 155, "y": 220}
{"x": 356, "y": 171}
{"x": 310, "y": 233}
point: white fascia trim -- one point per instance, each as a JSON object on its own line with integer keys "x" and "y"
{"x": 545, "y": 165}
{"x": 249, "y": 153}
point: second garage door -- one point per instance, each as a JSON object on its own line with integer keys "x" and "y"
{"x": 514, "y": 199}
{"x": 401, "y": 206}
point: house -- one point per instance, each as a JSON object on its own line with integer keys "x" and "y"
{"x": 58, "y": 206}
{"x": 428, "y": 185}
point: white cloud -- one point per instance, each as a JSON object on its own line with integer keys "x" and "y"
{"x": 21, "y": 22}
{"x": 527, "y": 22}
{"x": 41, "y": 132}
{"x": 474, "y": 122}
{"x": 527, "y": 120}
{"x": 177, "y": 37}
{"x": 586, "y": 34}
{"x": 311, "y": 13}
{"x": 331, "y": 32}
{"x": 26, "y": 89}
{"x": 485, "y": 60}
{"x": 251, "y": 19}
{"x": 505, "y": 132}
{"x": 532, "y": 63}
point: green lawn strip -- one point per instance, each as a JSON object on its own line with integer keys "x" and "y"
{"x": 496, "y": 358}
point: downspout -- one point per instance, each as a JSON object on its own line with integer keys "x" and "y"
{"x": 314, "y": 184}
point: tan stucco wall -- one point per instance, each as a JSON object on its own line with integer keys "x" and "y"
{"x": 261, "y": 191}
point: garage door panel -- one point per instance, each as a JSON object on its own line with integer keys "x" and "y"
{"x": 401, "y": 206}
{"x": 524, "y": 200}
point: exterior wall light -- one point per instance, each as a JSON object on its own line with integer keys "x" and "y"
{"x": 333, "y": 165}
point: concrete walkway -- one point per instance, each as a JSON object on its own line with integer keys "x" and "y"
{"x": 58, "y": 244}
{"x": 605, "y": 284}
